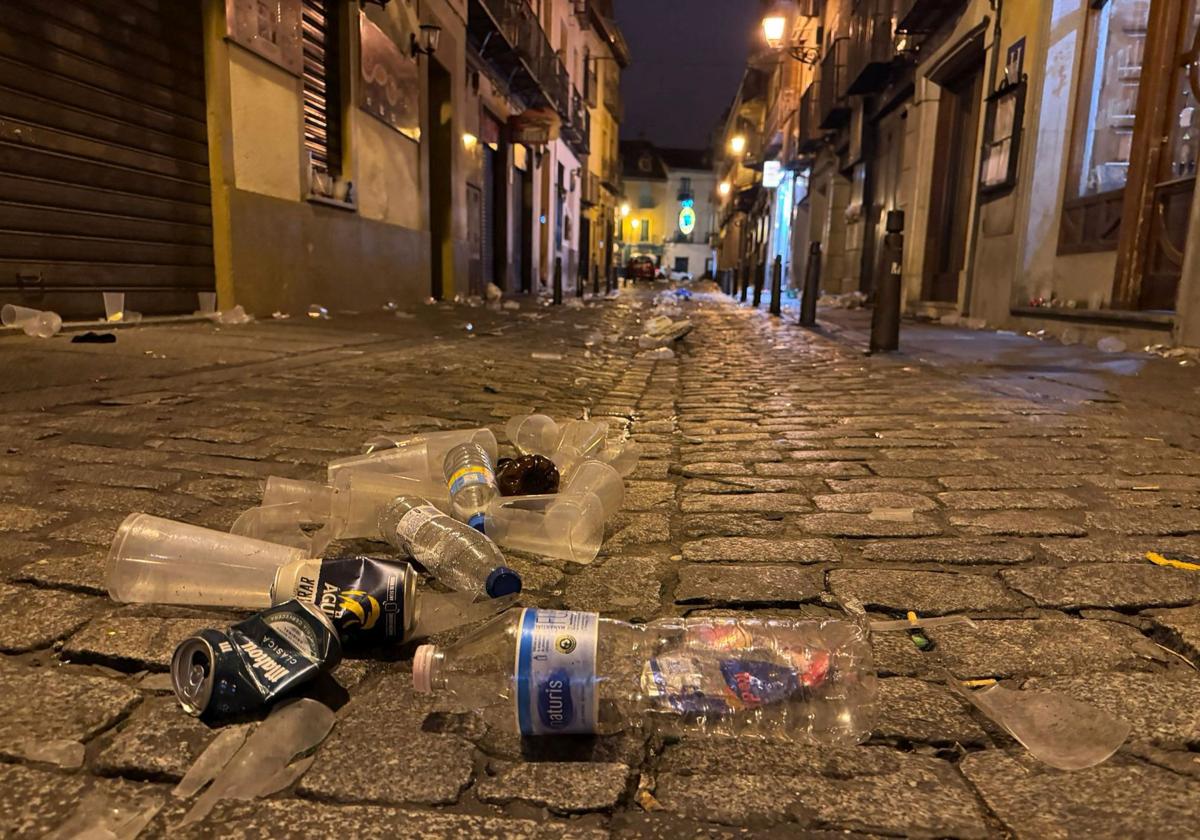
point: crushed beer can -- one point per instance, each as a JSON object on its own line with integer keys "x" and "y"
{"x": 369, "y": 601}
{"x": 221, "y": 674}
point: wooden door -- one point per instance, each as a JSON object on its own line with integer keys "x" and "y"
{"x": 953, "y": 184}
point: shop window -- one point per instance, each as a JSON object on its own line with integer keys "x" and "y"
{"x": 645, "y": 230}
{"x": 322, "y": 93}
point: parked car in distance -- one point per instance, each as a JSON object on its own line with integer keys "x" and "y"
{"x": 640, "y": 268}
{"x": 685, "y": 276}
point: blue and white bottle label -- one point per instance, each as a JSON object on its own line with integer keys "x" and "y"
{"x": 556, "y": 672}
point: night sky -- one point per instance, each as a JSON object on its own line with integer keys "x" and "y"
{"x": 688, "y": 58}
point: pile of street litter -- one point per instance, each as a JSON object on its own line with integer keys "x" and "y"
{"x": 666, "y": 326}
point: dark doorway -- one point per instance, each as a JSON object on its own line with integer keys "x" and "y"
{"x": 953, "y": 184}
{"x": 525, "y": 221}
{"x": 681, "y": 264}
{"x": 441, "y": 152}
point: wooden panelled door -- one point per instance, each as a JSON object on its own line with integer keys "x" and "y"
{"x": 1162, "y": 167}
{"x": 104, "y": 182}
{"x": 953, "y": 184}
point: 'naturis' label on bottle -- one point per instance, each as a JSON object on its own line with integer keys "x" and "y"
{"x": 556, "y": 672}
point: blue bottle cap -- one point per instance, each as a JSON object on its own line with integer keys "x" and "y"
{"x": 476, "y": 522}
{"x": 502, "y": 581}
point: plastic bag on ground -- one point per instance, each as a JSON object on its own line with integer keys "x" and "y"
{"x": 102, "y": 816}
{"x": 261, "y": 766}
{"x": 494, "y": 293}
{"x": 1063, "y": 732}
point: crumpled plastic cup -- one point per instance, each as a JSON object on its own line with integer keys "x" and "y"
{"x": 600, "y": 480}
{"x": 359, "y": 497}
{"x": 36, "y": 323}
{"x": 565, "y": 527}
{"x": 534, "y": 434}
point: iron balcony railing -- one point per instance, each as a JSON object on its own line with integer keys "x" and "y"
{"x": 834, "y": 108}
{"x": 915, "y": 16}
{"x": 507, "y": 34}
{"x": 871, "y": 51}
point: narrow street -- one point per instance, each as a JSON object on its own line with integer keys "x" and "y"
{"x": 783, "y": 473}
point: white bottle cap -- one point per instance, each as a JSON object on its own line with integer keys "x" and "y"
{"x": 423, "y": 669}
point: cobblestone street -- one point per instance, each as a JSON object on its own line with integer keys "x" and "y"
{"x": 766, "y": 450}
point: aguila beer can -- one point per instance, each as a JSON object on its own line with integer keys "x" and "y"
{"x": 227, "y": 673}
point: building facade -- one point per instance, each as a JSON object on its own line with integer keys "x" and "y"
{"x": 668, "y": 211}
{"x": 325, "y": 151}
{"x": 1042, "y": 154}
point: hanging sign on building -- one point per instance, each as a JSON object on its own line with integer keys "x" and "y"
{"x": 687, "y": 220}
{"x": 535, "y": 126}
{"x": 270, "y": 30}
{"x": 391, "y": 85}
{"x": 772, "y": 174}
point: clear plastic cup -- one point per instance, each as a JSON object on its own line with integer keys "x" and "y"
{"x": 534, "y": 434}
{"x": 36, "y": 323}
{"x": 315, "y": 498}
{"x": 566, "y": 527}
{"x": 585, "y": 435}
{"x": 623, "y": 456}
{"x": 601, "y": 480}
{"x": 208, "y": 302}
{"x": 419, "y": 456}
{"x": 114, "y": 306}
{"x": 360, "y": 497}
{"x": 159, "y": 561}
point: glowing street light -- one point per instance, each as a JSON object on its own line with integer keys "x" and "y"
{"x": 625, "y": 209}
{"x": 737, "y": 144}
{"x": 637, "y": 223}
{"x": 774, "y": 26}
{"x": 724, "y": 188}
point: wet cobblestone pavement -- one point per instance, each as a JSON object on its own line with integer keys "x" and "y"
{"x": 766, "y": 450}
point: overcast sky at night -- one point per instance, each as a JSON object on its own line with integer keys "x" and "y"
{"x": 688, "y": 58}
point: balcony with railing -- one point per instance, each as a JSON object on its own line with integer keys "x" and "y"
{"x": 809, "y": 119}
{"x": 509, "y": 36}
{"x": 871, "y": 50}
{"x": 834, "y": 107}
{"x": 577, "y": 124}
{"x": 589, "y": 195}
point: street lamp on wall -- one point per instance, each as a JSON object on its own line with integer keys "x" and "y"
{"x": 737, "y": 144}
{"x": 775, "y": 33}
{"x": 724, "y": 188}
{"x": 427, "y": 43}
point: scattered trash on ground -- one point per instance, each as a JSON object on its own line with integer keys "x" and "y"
{"x": 526, "y": 475}
{"x": 1185, "y": 562}
{"x": 546, "y": 357}
{"x": 1065, "y": 733}
{"x": 657, "y": 354}
{"x": 35, "y": 323}
{"x": 848, "y": 300}
{"x": 233, "y": 317}
{"x": 318, "y": 312}
{"x": 280, "y": 316}
{"x": 892, "y": 515}
{"x": 102, "y": 816}
{"x": 90, "y": 337}
{"x": 1110, "y": 344}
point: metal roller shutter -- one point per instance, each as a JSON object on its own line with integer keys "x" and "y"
{"x": 104, "y": 181}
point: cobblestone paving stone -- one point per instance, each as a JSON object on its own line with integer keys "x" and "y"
{"x": 770, "y": 452}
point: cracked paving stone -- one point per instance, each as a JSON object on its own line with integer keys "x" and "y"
{"x": 288, "y": 820}
{"x": 127, "y": 641}
{"x": 951, "y": 552}
{"x": 867, "y": 502}
{"x": 1112, "y": 585}
{"x": 798, "y": 469}
{"x": 1162, "y": 522}
{"x": 859, "y": 525}
{"x": 158, "y": 741}
{"x": 1182, "y": 626}
{"x": 745, "y": 584}
{"x": 1016, "y": 524}
{"x": 25, "y": 519}
{"x": 395, "y": 762}
{"x": 1008, "y": 500}
{"x": 52, "y": 703}
{"x": 1045, "y": 647}
{"x": 1112, "y": 800}
{"x": 920, "y": 712}
{"x": 729, "y": 525}
{"x": 826, "y": 787}
{"x": 746, "y": 503}
{"x": 32, "y": 618}
{"x": 1159, "y": 706}
{"x": 928, "y": 593}
{"x": 624, "y": 586}
{"x": 562, "y": 787}
{"x": 32, "y": 802}
{"x": 83, "y": 572}
{"x": 757, "y": 550}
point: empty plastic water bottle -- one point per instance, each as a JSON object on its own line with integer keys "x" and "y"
{"x": 471, "y": 481}
{"x": 458, "y": 555}
{"x": 554, "y": 672}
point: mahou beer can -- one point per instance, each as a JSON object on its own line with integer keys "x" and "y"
{"x": 219, "y": 674}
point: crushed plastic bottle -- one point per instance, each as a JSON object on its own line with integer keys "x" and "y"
{"x": 526, "y": 475}
{"x": 459, "y": 556}
{"x": 471, "y": 480}
{"x": 548, "y": 672}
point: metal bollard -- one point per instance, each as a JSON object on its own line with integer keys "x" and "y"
{"x": 777, "y": 286}
{"x": 595, "y": 279}
{"x": 759, "y": 271}
{"x": 885, "y": 319}
{"x": 812, "y": 286}
{"x": 745, "y": 280}
{"x": 558, "y": 281}
{"x": 580, "y": 279}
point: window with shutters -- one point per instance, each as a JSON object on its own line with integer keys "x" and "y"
{"x": 322, "y": 94}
